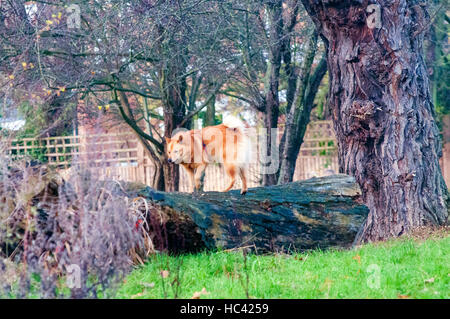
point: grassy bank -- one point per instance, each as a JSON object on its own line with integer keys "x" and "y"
{"x": 404, "y": 268}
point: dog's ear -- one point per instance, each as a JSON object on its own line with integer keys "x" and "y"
{"x": 167, "y": 140}
{"x": 180, "y": 138}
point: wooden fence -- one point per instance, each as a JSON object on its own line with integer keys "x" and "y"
{"x": 318, "y": 153}
{"x": 120, "y": 156}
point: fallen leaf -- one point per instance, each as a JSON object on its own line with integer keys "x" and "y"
{"x": 198, "y": 294}
{"x": 164, "y": 273}
{"x": 403, "y": 296}
{"x": 357, "y": 258}
{"x": 429, "y": 280}
{"x": 326, "y": 284}
{"x": 137, "y": 295}
{"x": 148, "y": 285}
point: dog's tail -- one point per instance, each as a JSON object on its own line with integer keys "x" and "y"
{"x": 233, "y": 122}
{"x": 245, "y": 145}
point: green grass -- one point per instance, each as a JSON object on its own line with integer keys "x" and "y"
{"x": 407, "y": 269}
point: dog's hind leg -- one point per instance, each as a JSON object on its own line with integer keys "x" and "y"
{"x": 243, "y": 176}
{"x": 198, "y": 177}
{"x": 231, "y": 171}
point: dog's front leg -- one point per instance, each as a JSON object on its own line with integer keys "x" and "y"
{"x": 198, "y": 176}
{"x": 190, "y": 174}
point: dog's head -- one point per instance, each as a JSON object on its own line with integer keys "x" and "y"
{"x": 177, "y": 149}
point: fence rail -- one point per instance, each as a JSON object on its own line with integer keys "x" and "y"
{"x": 121, "y": 156}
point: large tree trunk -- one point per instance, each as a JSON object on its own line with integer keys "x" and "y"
{"x": 316, "y": 213}
{"x": 382, "y": 111}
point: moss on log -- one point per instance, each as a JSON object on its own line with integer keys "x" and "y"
{"x": 316, "y": 213}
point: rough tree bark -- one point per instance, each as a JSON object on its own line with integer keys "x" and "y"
{"x": 382, "y": 110}
{"x": 316, "y": 213}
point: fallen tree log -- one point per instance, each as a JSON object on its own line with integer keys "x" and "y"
{"x": 316, "y": 213}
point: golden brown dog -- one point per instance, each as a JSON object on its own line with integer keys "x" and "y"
{"x": 224, "y": 143}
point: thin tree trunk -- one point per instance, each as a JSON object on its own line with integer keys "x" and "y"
{"x": 272, "y": 104}
{"x": 172, "y": 87}
{"x": 210, "y": 115}
{"x": 287, "y": 163}
{"x": 289, "y": 63}
{"x": 174, "y": 101}
{"x": 382, "y": 111}
{"x": 436, "y": 37}
{"x": 152, "y": 151}
{"x": 158, "y": 177}
{"x": 193, "y": 94}
{"x": 303, "y": 121}
{"x": 289, "y": 69}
